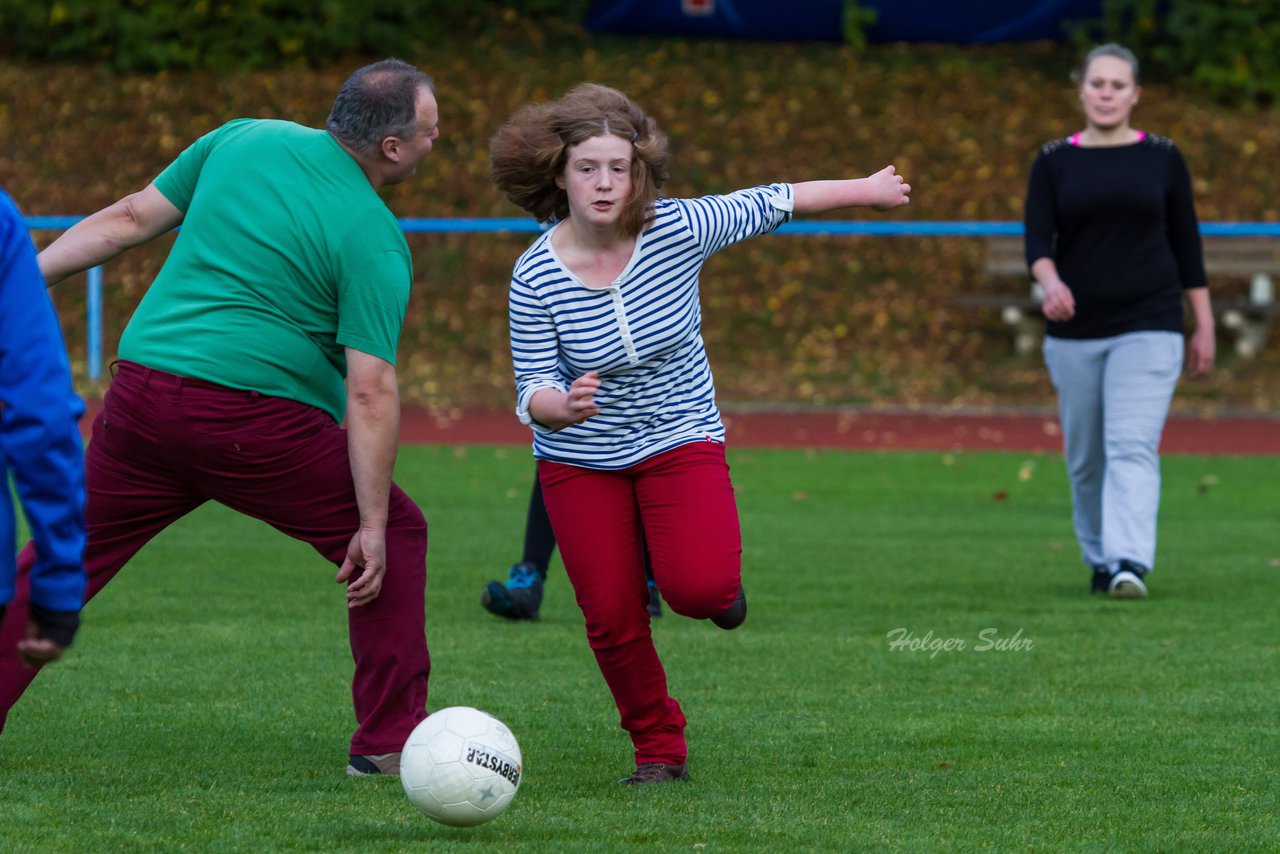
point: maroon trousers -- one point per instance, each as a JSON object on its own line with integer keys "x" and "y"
{"x": 683, "y": 502}
{"x": 163, "y": 445}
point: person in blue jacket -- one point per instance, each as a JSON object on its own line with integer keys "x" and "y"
{"x": 40, "y": 444}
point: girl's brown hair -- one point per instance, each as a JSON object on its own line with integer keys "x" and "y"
{"x": 529, "y": 152}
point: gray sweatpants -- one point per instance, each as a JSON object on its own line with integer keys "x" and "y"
{"x": 1113, "y": 398}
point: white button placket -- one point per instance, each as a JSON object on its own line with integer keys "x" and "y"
{"x": 624, "y": 329}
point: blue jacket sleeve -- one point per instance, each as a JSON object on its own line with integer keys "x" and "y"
{"x": 39, "y": 437}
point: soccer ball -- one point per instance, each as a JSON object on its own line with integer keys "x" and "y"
{"x": 461, "y": 766}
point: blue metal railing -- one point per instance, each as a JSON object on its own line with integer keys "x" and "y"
{"x": 498, "y": 225}
{"x": 93, "y": 319}
{"x": 892, "y": 228}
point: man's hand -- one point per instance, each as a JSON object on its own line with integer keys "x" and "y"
{"x": 366, "y": 553}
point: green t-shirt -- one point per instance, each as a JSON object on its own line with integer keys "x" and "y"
{"x": 286, "y": 256}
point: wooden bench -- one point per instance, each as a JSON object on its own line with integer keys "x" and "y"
{"x": 1249, "y": 318}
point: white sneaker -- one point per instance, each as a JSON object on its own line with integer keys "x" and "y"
{"x": 374, "y": 763}
{"x": 1126, "y": 582}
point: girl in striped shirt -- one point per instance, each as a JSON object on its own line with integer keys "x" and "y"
{"x": 613, "y": 379}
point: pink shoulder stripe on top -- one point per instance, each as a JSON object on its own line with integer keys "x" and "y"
{"x": 1074, "y": 139}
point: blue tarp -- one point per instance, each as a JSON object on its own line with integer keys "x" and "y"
{"x": 769, "y": 20}
{"x": 823, "y": 20}
{"x": 988, "y": 21}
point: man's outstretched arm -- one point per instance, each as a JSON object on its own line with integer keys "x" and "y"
{"x": 98, "y": 238}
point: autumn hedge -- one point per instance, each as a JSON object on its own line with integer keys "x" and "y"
{"x": 788, "y": 319}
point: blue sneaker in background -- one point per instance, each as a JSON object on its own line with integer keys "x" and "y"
{"x": 518, "y": 599}
{"x": 655, "y": 600}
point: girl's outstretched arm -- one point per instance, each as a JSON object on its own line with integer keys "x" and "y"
{"x": 883, "y": 191}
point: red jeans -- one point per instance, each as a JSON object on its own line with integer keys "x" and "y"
{"x": 163, "y": 445}
{"x": 683, "y": 502}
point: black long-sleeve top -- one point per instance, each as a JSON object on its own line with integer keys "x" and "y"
{"x": 1120, "y": 224}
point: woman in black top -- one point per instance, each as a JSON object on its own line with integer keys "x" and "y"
{"x": 1112, "y": 239}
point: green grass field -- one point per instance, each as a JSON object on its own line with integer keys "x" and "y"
{"x": 206, "y": 706}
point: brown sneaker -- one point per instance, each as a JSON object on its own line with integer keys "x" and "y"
{"x": 374, "y": 763}
{"x": 656, "y": 772}
{"x": 732, "y": 617}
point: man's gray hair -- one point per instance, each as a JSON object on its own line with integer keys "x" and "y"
{"x": 377, "y": 101}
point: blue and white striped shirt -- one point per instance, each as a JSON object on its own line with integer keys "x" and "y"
{"x": 643, "y": 333}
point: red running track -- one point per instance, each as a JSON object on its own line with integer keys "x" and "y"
{"x": 895, "y": 430}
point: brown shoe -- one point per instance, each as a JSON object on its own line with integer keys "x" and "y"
{"x": 656, "y": 772}
{"x": 374, "y": 763}
{"x": 732, "y": 617}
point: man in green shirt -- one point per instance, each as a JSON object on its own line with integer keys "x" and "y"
{"x": 275, "y": 316}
